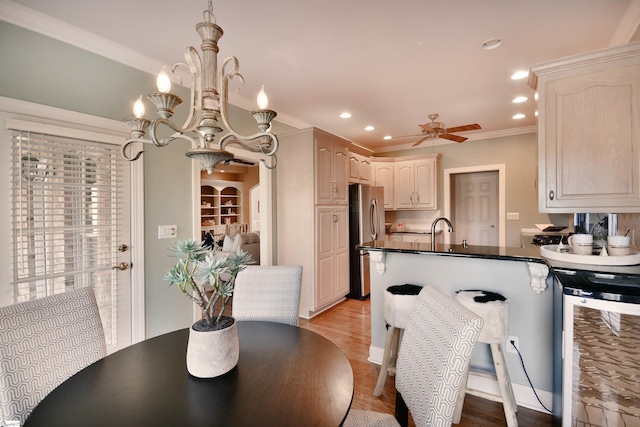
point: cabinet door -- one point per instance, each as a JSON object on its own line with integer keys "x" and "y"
{"x": 383, "y": 177}
{"x": 325, "y": 272}
{"x": 404, "y": 179}
{"x": 592, "y": 145}
{"x": 341, "y": 229}
{"x": 324, "y": 171}
{"x": 340, "y": 174}
{"x": 589, "y": 132}
{"x": 425, "y": 184}
{"x": 365, "y": 171}
{"x": 354, "y": 168}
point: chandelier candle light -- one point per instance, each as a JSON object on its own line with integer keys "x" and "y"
{"x": 209, "y": 104}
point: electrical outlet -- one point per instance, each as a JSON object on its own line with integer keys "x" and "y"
{"x": 513, "y": 216}
{"x": 516, "y": 342}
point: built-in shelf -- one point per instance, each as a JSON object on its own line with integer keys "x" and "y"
{"x": 220, "y": 205}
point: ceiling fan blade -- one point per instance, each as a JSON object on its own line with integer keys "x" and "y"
{"x": 464, "y": 128}
{"x": 426, "y": 128}
{"x": 420, "y": 141}
{"x": 455, "y": 138}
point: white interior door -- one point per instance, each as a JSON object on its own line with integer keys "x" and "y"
{"x": 475, "y": 208}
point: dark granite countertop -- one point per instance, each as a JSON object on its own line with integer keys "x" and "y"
{"x": 469, "y": 251}
{"x": 531, "y": 254}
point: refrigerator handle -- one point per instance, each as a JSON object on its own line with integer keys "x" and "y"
{"x": 373, "y": 219}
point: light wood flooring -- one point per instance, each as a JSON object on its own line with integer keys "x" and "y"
{"x": 348, "y": 325}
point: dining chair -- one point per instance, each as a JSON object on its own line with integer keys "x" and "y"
{"x": 269, "y": 293}
{"x": 43, "y": 342}
{"x": 432, "y": 363}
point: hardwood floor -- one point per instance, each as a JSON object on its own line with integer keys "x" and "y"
{"x": 348, "y": 325}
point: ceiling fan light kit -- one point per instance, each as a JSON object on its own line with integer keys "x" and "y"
{"x": 439, "y": 130}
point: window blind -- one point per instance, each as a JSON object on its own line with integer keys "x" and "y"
{"x": 66, "y": 216}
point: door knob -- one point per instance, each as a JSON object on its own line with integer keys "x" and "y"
{"x": 122, "y": 266}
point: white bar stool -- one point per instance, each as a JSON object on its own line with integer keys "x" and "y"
{"x": 398, "y": 303}
{"x": 494, "y": 310}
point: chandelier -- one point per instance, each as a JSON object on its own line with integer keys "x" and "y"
{"x": 209, "y": 104}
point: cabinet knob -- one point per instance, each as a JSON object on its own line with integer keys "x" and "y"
{"x": 551, "y": 195}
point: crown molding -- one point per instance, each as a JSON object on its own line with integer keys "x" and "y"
{"x": 46, "y": 25}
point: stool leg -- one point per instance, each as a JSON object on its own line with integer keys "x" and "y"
{"x": 395, "y": 349}
{"x": 457, "y": 415}
{"x": 384, "y": 368}
{"x": 504, "y": 382}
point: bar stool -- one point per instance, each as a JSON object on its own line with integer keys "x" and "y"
{"x": 494, "y": 310}
{"x": 398, "y": 303}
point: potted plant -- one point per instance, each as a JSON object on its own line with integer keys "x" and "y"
{"x": 208, "y": 280}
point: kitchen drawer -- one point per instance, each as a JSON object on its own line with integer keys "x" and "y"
{"x": 416, "y": 238}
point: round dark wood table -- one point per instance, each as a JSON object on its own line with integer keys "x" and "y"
{"x": 286, "y": 376}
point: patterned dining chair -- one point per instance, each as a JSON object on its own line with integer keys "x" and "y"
{"x": 432, "y": 363}
{"x": 269, "y": 293}
{"x": 42, "y": 343}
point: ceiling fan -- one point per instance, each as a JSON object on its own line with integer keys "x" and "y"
{"x": 438, "y": 130}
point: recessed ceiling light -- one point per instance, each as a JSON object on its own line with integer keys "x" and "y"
{"x": 345, "y": 115}
{"x": 519, "y": 116}
{"x": 387, "y": 137}
{"x": 519, "y": 99}
{"x": 519, "y": 75}
{"x": 492, "y": 44}
{"x": 535, "y": 96}
{"x": 369, "y": 128}
{"x": 536, "y": 113}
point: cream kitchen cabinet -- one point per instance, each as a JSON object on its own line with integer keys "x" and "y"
{"x": 383, "y": 177}
{"x": 331, "y": 165}
{"x": 359, "y": 168}
{"x": 589, "y": 131}
{"x": 416, "y": 183}
{"x": 332, "y": 237}
{"x": 311, "y": 234}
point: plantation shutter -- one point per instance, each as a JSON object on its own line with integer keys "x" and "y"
{"x": 70, "y": 214}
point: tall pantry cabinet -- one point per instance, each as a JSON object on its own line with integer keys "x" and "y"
{"x": 312, "y": 215}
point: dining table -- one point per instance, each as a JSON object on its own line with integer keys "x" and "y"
{"x": 285, "y": 376}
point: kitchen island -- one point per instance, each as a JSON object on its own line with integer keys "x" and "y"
{"x": 517, "y": 273}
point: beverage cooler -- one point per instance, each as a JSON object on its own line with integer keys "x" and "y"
{"x": 597, "y": 349}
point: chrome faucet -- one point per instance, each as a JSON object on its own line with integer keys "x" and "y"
{"x": 433, "y": 230}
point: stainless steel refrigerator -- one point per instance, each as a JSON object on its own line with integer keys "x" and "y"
{"x": 366, "y": 223}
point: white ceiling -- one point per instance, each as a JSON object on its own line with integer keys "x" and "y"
{"x": 389, "y": 63}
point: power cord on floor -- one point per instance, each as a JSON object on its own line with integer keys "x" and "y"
{"x": 513, "y": 344}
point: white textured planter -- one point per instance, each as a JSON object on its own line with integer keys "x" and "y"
{"x": 212, "y": 353}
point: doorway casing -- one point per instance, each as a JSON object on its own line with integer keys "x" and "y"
{"x": 501, "y": 169}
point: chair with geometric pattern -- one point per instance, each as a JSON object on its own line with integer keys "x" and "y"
{"x": 268, "y": 293}
{"x": 43, "y": 342}
{"x": 432, "y": 363}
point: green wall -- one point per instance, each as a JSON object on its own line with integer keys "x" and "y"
{"x": 45, "y": 71}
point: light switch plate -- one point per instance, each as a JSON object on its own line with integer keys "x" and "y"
{"x": 167, "y": 231}
{"x": 513, "y": 216}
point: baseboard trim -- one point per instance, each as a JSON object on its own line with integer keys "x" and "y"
{"x": 524, "y": 395}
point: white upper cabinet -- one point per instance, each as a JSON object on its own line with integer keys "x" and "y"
{"x": 589, "y": 132}
{"x": 383, "y": 177}
{"x": 331, "y": 170}
{"x": 416, "y": 183}
{"x": 359, "y": 169}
